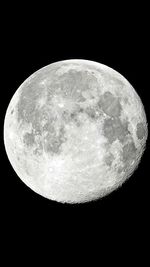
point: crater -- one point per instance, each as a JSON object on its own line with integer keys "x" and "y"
{"x": 12, "y": 111}
{"x": 74, "y": 116}
{"x": 70, "y": 116}
{"x": 92, "y": 113}
{"x": 77, "y": 116}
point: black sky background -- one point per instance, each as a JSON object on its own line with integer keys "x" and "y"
{"x": 33, "y": 38}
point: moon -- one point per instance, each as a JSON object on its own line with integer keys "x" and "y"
{"x": 75, "y": 131}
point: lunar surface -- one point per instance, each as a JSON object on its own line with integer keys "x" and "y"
{"x": 75, "y": 130}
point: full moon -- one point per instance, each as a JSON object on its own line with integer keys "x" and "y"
{"x": 75, "y": 130}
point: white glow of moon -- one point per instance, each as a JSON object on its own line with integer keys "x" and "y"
{"x": 75, "y": 130}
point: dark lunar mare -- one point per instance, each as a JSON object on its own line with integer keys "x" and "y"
{"x": 66, "y": 85}
{"x": 110, "y": 104}
{"x": 30, "y": 114}
{"x": 115, "y": 129}
{"x": 141, "y": 130}
{"x": 72, "y": 84}
{"x": 109, "y": 159}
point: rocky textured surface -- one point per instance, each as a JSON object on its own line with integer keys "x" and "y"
{"x": 75, "y": 130}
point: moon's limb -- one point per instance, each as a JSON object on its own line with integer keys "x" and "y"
{"x": 72, "y": 135}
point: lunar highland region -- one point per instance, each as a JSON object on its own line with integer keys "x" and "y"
{"x": 75, "y": 131}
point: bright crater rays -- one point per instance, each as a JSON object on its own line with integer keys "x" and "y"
{"x": 75, "y": 130}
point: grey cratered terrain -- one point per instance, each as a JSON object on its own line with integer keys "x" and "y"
{"x": 75, "y": 130}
